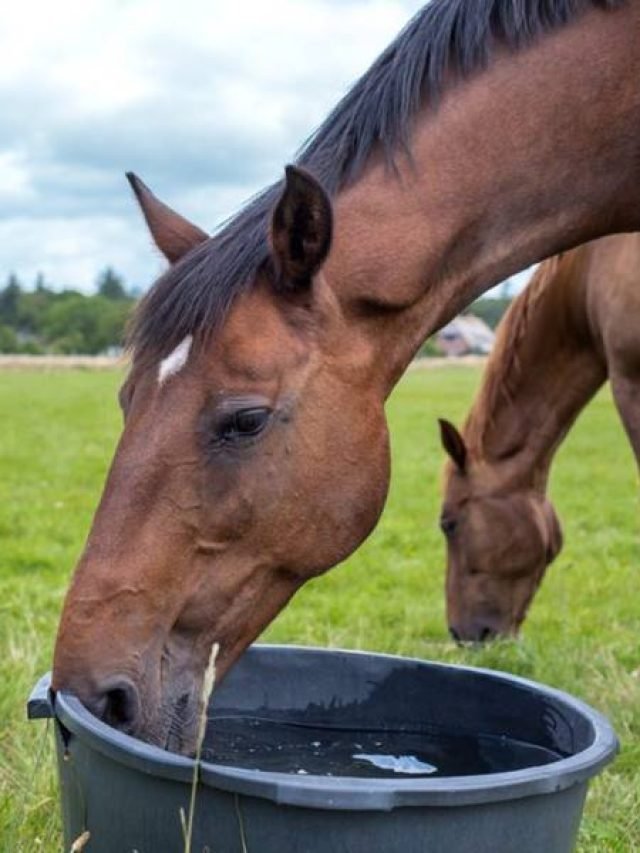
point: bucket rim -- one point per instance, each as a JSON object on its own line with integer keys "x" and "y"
{"x": 346, "y": 792}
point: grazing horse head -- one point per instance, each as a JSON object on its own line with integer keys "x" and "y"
{"x": 252, "y": 459}
{"x": 499, "y": 544}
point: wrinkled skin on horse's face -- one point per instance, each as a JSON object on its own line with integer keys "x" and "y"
{"x": 260, "y": 463}
{"x": 499, "y": 544}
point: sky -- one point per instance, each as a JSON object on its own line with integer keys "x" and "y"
{"x": 205, "y": 101}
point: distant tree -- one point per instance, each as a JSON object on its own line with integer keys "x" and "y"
{"x": 8, "y": 340}
{"x": 9, "y": 300}
{"x": 111, "y": 285}
{"x": 490, "y": 309}
{"x": 33, "y": 307}
{"x": 429, "y": 349}
{"x": 41, "y": 319}
{"x": 85, "y": 324}
{"x": 112, "y": 323}
{"x": 70, "y": 324}
{"x": 30, "y": 348}
{"x": 40, "y": 284}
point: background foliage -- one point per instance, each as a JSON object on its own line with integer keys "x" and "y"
{"x": 44, "y": 320}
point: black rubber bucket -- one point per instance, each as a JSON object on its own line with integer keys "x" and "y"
{"x": 128, "y": 795}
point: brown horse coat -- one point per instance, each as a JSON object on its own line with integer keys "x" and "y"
{"x": 576, "y": 324}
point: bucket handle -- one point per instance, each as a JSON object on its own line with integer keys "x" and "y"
{"x": 40, "y": 705}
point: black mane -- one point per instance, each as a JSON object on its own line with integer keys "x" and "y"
{"x": 452, "y": 37}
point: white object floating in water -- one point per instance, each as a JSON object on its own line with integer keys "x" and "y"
{"x": 398, "y": 763}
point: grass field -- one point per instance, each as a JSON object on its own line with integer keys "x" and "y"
{"x": 57, "y": 435}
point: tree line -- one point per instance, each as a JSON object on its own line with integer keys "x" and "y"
{"x": 41, "y": 320}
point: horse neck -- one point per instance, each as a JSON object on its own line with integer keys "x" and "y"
{"x": 543, "y": 370}
{"x": 533, "y": 156}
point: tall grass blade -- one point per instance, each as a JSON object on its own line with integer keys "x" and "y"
{"x": 208, "y": 684}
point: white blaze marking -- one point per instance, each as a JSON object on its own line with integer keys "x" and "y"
{"x": 175, "y": 361}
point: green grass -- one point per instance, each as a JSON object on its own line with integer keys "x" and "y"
{"x": 583, "y": 634}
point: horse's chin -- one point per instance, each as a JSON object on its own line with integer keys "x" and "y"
{"x": 181, "y": 743}
{"x": 174, "y": 728}
{"x": 170, "y": 715}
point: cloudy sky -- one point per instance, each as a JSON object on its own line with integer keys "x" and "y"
{"x": 206, "y": 101}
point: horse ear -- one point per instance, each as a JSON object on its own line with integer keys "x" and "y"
{"x": 173, "y": 234}
{"x": 453, "y": 444}
{"x": 300, "y": 229}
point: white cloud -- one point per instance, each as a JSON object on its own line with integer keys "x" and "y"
{"x": 15, "y": 184}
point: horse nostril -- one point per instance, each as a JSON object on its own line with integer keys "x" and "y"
{"x": 471, "y": 634}
{"x": 119, "y": 705}
{"x": 485, "y": 633}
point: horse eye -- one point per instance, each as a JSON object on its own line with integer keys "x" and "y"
{"x": 448, "y": 525}
{"x": 244, "y": 423}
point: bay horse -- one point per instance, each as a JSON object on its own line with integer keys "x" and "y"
{"x": 576, "y": 324}
{"x": 255, "y": 453}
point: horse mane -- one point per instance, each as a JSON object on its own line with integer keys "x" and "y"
{"x": 447, "y": 40}
{"x": 504, "y": 368}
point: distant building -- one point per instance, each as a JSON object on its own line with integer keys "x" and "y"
{"x": 465, "y": 335}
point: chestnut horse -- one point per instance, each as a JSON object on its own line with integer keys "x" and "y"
{"x": 255, "y": 452}
{"x": 577, "y": 323}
